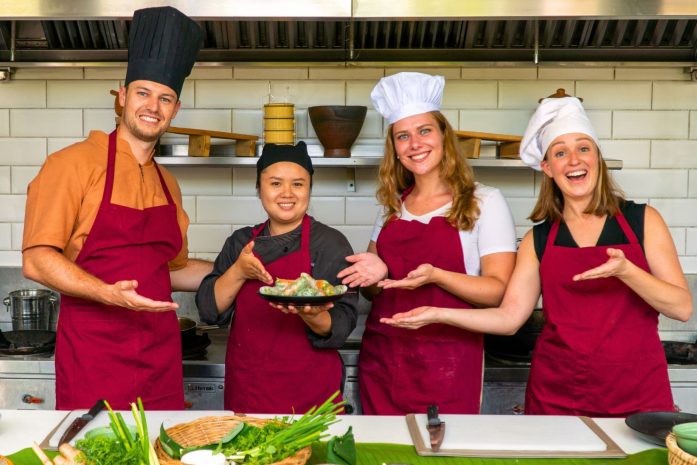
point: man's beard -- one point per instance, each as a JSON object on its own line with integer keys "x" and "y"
{"x": 139, "y": 133}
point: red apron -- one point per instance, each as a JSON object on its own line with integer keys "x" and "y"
{"x": 271, "y": 366}
{"x": 109, "y": 352}
{"x": 599, "y": 353}
{"x": 404, "y": 371}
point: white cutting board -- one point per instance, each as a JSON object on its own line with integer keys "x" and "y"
{"x": 515, "y": 433}
{"x": 155, "y": 419}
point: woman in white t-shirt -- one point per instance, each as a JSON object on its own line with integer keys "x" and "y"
{"x": 442, "y": 239}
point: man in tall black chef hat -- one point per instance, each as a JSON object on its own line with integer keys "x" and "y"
{"x": 104, "y": 226}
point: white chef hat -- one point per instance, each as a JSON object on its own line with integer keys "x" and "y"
{"x": 554, "y": 117}
{"x": 405, "y": 94}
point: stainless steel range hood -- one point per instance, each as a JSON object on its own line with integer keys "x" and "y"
{"x": 360, "y": 31}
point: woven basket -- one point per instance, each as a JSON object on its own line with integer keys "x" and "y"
{"x": 677, "y": 456}
{"x": 208, "y": 430}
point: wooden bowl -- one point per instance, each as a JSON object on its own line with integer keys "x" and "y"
{"x": 337, "y": 127}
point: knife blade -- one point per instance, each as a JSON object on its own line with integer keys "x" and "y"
{"x": 435, "y": 427}
{"x": 81, "y": 421}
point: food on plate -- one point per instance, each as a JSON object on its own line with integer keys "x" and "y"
{"x": 304, "y": 286}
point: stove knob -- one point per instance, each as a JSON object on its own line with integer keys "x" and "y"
{"x": 29, "y": 399}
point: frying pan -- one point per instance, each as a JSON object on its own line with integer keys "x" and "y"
{"x": 680, "y": 352}
{"x": 655, "y": 426}
{"x": 27, "y": 341}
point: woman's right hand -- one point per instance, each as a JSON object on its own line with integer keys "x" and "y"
{"x": 367, "y": 269}
{"x": 248, "y": 266}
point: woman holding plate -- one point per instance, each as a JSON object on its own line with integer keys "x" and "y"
{"x": 280, "y": 358}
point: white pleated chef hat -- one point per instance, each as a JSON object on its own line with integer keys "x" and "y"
{"x": 406, "y": 94}
{"x": 554, "y": 117}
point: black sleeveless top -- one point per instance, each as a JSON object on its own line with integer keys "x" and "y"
{"x": 611, "y": 234}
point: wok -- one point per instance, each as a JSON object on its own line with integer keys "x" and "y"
{"x": 188, "y": 328}
{"x": 655, "y": 426}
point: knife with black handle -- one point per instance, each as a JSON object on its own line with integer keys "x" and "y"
{"x": 81, "y": 421}
{"x": 435, "y": 427}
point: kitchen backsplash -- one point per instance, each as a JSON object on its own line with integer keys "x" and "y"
{"x": 645, "y": 116}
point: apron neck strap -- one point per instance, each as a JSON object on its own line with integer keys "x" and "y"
{"x": 626, "y": 229}
{"x": 110, "y": 164}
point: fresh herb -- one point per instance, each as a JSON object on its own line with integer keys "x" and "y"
{"x": 105, "y": 450}
{"x": 341, "y": 450}
{"x": 276, "y": 440}
{"x": 290, "y": 439}
{"x": 130, "y": 448}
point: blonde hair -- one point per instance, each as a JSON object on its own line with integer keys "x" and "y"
{"x": 393, "y": 178}
{"x": 607, "y": 197}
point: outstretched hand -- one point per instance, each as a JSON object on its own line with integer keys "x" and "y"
{"x": 124, "y": 294}
{"x": 367, "y": 269}
{"x": 413, "y": 319}
{"x": 615, "y": 266}
{"x": 423, "y": 274}
{"x": 250, "y": 267}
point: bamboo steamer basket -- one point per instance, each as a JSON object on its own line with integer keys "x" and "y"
{"x": 279, "y": 110}
{"x": 279, "y": 123}
{"x": 208, "y": 430}
{"x": 677, "y": 456}
{"x": 279, "y": 137}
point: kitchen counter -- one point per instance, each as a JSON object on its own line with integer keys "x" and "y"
{"x": 19, "y": 428}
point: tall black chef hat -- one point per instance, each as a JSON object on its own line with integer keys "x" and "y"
{"x": 162, "y": 46}
{"x": 274, "y": 153}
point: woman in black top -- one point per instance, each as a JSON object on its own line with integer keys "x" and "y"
{"x": 280, "y": 359}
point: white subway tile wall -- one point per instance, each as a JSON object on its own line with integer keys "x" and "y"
{"x": 646, "y": 117}
{"x": 5, "y": 180}
{"x": 4, "y": 122}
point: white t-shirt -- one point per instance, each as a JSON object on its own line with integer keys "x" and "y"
{"x": 493, "y": 232}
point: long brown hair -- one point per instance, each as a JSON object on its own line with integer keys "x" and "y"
{"x": 607, "y": 197}
{"x": 393, "y": 178}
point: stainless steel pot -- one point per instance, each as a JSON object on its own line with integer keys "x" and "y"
{"x": 32, "y": 309}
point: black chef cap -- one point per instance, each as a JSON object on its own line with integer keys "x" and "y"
{"x": 274, "y": 153}
{"x": 162, "y": 46}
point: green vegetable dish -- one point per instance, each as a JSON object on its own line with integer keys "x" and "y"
{"x": 304, "y": 286}
{"x": 253, "y": 445}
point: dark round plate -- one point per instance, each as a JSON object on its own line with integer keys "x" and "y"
{"x": 300, "y": 300}
{"x": 655, "y": 426}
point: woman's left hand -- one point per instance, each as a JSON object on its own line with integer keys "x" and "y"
{"x": 615, "y": 266}
{"x": 423, "y": 274}
{"x": 413, "y": 319}
{"x": 306, "y": 310}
